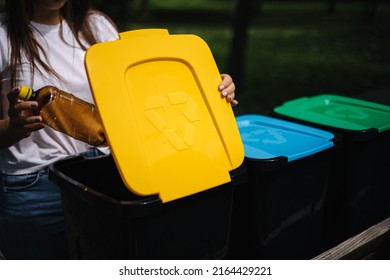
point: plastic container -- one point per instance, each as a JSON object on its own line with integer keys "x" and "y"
{"x": 66, "y": 113}
{"x": 279, "y": 212}
{"x": 359, "y": 193}
{"x": 165, "y": 192}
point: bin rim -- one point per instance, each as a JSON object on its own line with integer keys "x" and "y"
{"x": 64, "y": 181}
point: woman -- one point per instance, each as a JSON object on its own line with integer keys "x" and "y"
{"x": 43, "y": 42}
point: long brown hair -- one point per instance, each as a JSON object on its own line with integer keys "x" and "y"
{"x": 18, "y": 16}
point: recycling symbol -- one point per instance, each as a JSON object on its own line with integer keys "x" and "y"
{"x": 153, "y": 106}
{"x": 346, "y": 112}
{"x": 267, "y": 136}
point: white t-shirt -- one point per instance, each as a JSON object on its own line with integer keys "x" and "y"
{"x": 66, "y": 57}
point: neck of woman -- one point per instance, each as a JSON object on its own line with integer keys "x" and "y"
{"x": 48, "y": 17}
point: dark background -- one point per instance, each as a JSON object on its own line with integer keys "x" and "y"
{"x": 279, "y": 50}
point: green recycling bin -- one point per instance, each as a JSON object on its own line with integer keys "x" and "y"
{"x": 359, "y": 192}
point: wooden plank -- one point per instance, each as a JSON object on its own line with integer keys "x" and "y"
{"x": 373, "y": 243}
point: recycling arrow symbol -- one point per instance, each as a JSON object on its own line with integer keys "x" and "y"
{"x": 277, "y": 137}
{"x": 267, "y": 136}
{"x": 253, "y": 136}
{"x": 346, "y": 112}
{"x": 154, "y": 103}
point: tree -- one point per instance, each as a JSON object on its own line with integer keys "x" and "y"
{"x": 242, "y": 16}
{"x": 331, "y": 6}
{"x": 370, "y": 10}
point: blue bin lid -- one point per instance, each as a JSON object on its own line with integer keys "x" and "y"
{"x": 268, "y": 138}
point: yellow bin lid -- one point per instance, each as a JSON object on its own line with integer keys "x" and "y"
{"x": 170, "y": 131}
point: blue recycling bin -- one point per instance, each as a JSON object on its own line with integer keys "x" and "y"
{"x": 279, "y": 212}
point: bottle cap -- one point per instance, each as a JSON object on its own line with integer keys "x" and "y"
{"x": 25, "y": 93}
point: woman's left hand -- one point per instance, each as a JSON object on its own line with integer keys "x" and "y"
{"x": 227, "y": 89}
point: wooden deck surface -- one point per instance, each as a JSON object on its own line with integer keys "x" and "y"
{"x": 373, "y": 243}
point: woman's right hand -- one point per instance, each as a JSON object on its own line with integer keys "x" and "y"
{"x": 22, "y": 122}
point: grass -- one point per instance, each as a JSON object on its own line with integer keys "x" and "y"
{"x": 295, "y": 48}
{"x": 300, "y": 53}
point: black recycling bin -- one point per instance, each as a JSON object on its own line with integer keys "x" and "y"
{"x": 106, "y": 221}
{"x": 279, "y": 213}
{"x": 166, "y": 189}
{"x": 359, "y": 189}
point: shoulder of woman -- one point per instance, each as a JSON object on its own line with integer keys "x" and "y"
{"x": 2, "y": 21}
{"x": 3, "y": 28}
{"x": 103, "y": 27}
{"x": 101, "y": 19}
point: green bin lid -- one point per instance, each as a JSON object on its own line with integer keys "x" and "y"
{"x": 338, "y": 112}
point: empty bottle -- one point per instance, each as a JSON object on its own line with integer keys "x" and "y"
{"x": 66, "y": 113}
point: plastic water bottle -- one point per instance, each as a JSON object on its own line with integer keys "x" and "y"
{"x": 66, "y": 113}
